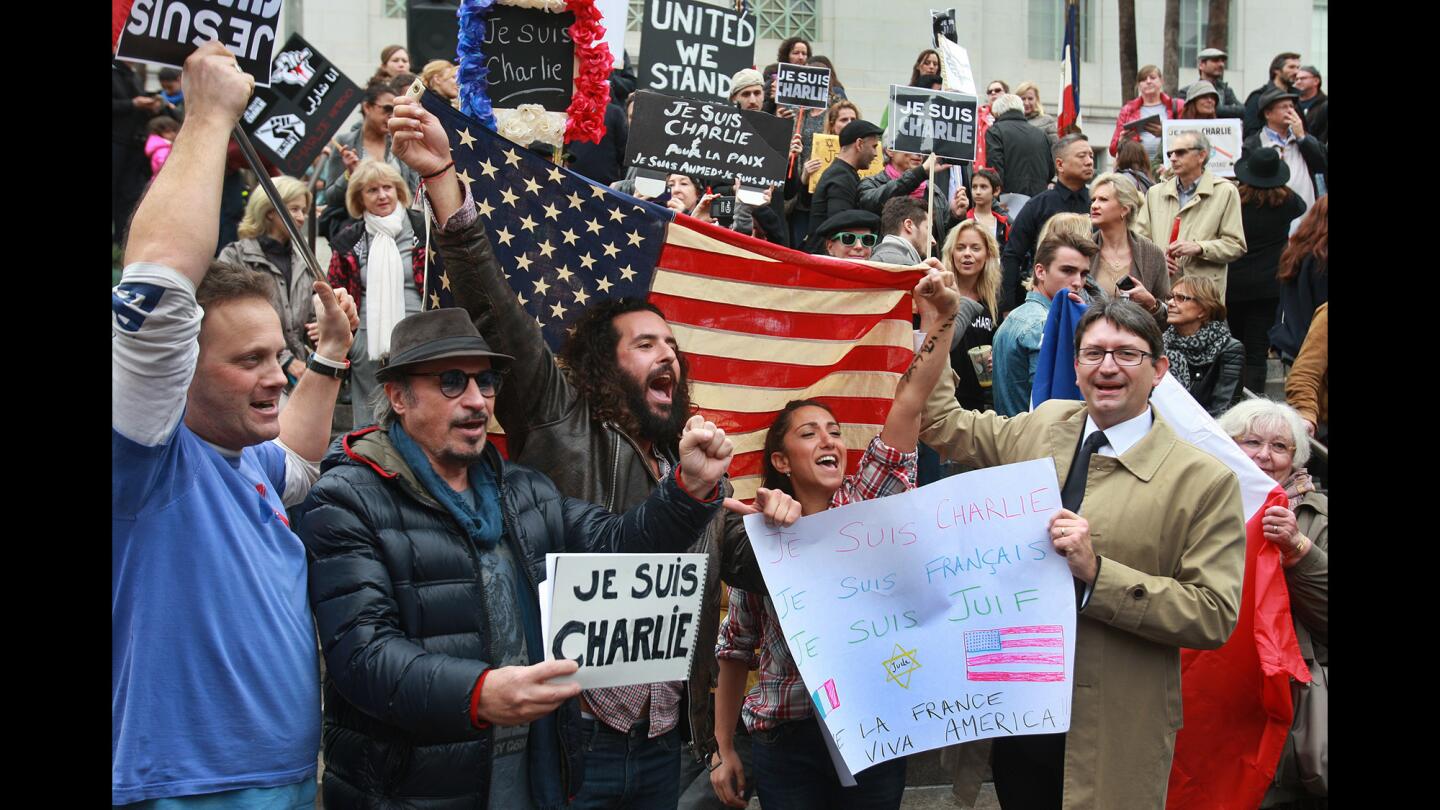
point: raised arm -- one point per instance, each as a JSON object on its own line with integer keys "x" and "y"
{"x": 156, "y": 321}
{"x": 176, "y": 223}
{"x": 536, "y": 392}
{"x": 306, "y": 418}
{"x": 937, "y": 301}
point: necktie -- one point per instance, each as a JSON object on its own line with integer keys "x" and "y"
{"x": 1073, "y": 492}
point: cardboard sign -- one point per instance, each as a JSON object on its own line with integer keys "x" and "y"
{"x": 925, "y": 121}
{"x": 165, "y": 32}
{"x": 672, "y": 134}
{"x": 530, "y": 57}
{"x": 938, "y": 616}
{"x": 692, "y": 49}
{"x": 825, "y": 148}
{"x": 942, "y": 25}
{"x": 955, "y": 62}
{"x": 624, "y": 618}
{"x": 307, "y": 100}
{"x": 802, "y": 86}
{"x": 1226, "y": 136}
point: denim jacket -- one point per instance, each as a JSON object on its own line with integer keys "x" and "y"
{"x": 1016, "y": 351}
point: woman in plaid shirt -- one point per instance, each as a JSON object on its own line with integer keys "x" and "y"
{"x": 805, "y": 459}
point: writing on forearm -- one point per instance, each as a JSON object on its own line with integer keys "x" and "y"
{"x": 928, "y": 347}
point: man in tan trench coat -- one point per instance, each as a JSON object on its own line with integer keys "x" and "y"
{"x": 1159, "y": 546}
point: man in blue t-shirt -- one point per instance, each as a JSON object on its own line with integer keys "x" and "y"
{"x": 215, "y": 690}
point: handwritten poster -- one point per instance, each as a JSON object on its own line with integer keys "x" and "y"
{"x": 692, "y": 49}
{"x": 530, "y": 57}
{"x": 671, "y": 134}
{"x": 931, "y": 618}
{"x": 624, "y": 618}
{"x": 1225, "y": 136}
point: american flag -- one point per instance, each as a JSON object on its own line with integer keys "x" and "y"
{"x": 1025, "y": 653}
{"x": 760, "y": 324}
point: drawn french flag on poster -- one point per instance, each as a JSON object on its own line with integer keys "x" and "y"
{"x": 1025, "y": 653}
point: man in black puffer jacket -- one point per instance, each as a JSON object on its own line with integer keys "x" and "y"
{"x": 425, "y": 550}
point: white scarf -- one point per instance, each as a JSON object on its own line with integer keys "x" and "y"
{"x": 384, "y": 281}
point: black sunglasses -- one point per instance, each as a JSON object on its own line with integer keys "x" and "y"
{"x": 388, "y": 109}
{"x": 1173, "y": 152}
{"x": 847, "y": 238}
{"x": 453, "y": 382}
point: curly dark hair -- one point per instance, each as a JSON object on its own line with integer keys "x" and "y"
{"x": 775, "y": 443}
{"x": 589, "y": 361}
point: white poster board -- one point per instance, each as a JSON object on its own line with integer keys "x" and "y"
{"x": 615, "y": 16}
{"x": 956, "y": 71}
{"x": 1225, "y": 134}
{"x": 625, "y": 618}
{"x": 935, "y": 617}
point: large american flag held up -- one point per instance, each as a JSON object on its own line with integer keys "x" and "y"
{"x": 760, "y": 324}
{"x": 1026, "y": 653}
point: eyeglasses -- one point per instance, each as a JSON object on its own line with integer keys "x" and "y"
{"x": 1094, "y": 356}
{"x": 388, "y": 109}
{"x": 994, "y": 91}
{"x": 1252, "y": 446}
{"x": 847, "y": 238}
{"x": 1173, "y": 152}
{"x": 1181, "y": 297}
{"x": 453, "y": 382}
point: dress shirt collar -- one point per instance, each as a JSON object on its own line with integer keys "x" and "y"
{"x": 1120, "y": 438}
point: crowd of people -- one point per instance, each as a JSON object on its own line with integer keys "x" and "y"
{"x": 247, "y": 516}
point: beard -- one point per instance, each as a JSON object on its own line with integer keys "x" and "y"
{"x": 658, "y": 427}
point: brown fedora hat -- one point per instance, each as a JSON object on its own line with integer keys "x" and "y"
{"x": 434, "y": 335}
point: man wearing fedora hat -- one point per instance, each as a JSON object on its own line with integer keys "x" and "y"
{"x": 1284, "y": 131}
{"x": 1211, "y": 64}
{"x": 425, "y": 551}
{"x": 605, "y": 428}
{"x": 1267, "y": 207}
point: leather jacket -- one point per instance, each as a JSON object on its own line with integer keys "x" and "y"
{"x": 550, "y": 427}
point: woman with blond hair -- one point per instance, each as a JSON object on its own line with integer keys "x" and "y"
{"x": 380, "y": 259}
{"x": 1204, "y": 356}
{"x": 438, "y": 77}
{"x": 265, "y": 246}
{"x": 1124, "y": 257}
{"x": 1035, "y": 114}
{"x": 972, "y": 255}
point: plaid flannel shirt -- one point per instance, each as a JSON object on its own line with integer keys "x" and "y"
{"x": 621, "y": 707}
{"x": 752, "y": 621}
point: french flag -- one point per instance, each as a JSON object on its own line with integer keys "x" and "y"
{"x": 1068, "y": 110}
{"x": 1237, "y": 701}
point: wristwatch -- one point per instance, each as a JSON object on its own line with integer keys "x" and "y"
{"x": 327, "y": 370}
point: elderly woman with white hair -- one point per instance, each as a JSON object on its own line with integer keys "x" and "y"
{"x": 380, "y": 259}
{"x": 1273, "y": 435}
{"x": 1128, "y": 265}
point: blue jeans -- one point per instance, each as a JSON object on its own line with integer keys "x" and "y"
{"x": 793, "y": 772}
{"x": 625, "y": 769}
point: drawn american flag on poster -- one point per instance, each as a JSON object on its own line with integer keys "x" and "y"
{"x": 1025, "y": 653}
{"x": 760, "y": 324}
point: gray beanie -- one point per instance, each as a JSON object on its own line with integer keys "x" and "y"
{"x": 743, "y": 78}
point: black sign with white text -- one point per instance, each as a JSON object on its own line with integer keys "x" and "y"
{"x": 165, "y": 32}
{"x": 692, "y": 49}
{"x": 692, "y": 137}
{"x": 307, "y": 99}
{"x": 802, "y": 85}
{"x": 925, "y": 121}
{"x": 530, "y": 57}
